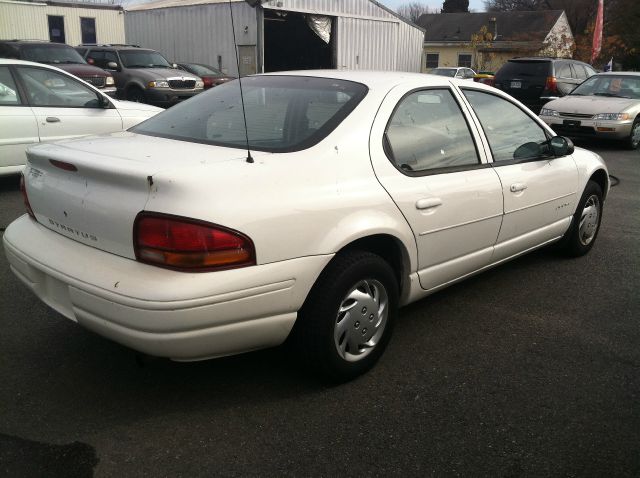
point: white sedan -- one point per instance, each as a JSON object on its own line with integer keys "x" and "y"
{"x": 43, "y": 103}
{"x": 362, "y": 192}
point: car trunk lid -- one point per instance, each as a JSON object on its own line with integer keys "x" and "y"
{"x": 94, "y": 198}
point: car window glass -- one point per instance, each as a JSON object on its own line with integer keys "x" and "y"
{"x": 427, "y": 131}
{"x": 564, "y": 71}
{"x": 581, "y": 72}
{"x": 511, "y": 133}
{"x": 607, "y": 85}
{"x": 49, "y": 88}
{"x": 283, "y": 113}
{"x": 8, "y": 90}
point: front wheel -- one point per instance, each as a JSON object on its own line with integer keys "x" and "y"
{"x": 582, "y": 233}
{"x": 347, "y": 319}
{"x": 136, "y": 95}
{"x": 633, "y": 141}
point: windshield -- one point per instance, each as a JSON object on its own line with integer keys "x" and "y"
{"x": 284, "y": 113}
{"x": 615, "y": 86}
{"x": 203, "y": 70}
{"x": 444, "y": 72}
{"x": 51, "y": 54}
{"x": 143, "y": 59}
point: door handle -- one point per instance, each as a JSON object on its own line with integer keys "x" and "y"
{"x": 428, "y": 203}
{"x": 52, "y": 119}
{"x": 517, "y": 187}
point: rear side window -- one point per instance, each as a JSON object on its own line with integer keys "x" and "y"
{"x": 8, "y": 90}
{"x": 564, "y": 70}
{"x": 284, "y": 113}
{"x": 517, "y": 69}
{"x": 428, "y": 131}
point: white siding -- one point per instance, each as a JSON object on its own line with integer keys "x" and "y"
{"x": 197, "y": 33}
{"x": 29, "y": 21}
{"x": 368, "y": 36}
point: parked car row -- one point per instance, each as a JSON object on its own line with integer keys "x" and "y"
{"x": 121, "y": 71}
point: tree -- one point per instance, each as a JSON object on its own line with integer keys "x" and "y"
{"x": 413, "y": 10}
{"x": 511, "y": 5}
{"x": 455, "y": 6}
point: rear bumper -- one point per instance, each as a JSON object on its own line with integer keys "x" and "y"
{"x": 178, "y": 315}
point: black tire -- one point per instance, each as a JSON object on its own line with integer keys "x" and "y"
{"x": 315, "y": 333}
{"x": 578, "y": 240}
{"x": 135, "y": 94}
{"x": 633, "y": 141}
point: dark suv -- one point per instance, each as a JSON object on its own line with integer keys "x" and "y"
{"x": 59, "y": 55}
{"x": 142, "y": 74}
{"x": 534, "y": 81}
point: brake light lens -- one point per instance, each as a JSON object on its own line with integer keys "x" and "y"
{"x": 551, "y": 84}
{"x": 25, "y": 198}
{"x": 190, "y": 245}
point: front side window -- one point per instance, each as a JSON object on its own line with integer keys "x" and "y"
{"x": 464, "y": 59}
{"x": 512, "y": 134}
{"x": 50, "y": 88}
{"x": 8, "y": 90}
{"x": 428, "y": 131}
{"x": 432, "y": 60}
{"x": 284, "y": 113}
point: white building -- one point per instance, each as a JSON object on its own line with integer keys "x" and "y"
{"x": 278, "y": 35}
{"x": 63, "y": 22}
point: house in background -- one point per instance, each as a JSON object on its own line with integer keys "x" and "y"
{"x": 485, "y": 41}
{"x": 278, "y": 34}
{"x": 73, "y": 22}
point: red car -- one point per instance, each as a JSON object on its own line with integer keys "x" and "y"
{"x": 59, "y": 55}
{"x": 210, "y": 75}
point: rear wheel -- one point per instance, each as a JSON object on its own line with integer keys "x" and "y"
{"x": 135, "y": 94}
{"x": 347, "y": 319}
{"x": 633, "y": 141}
{"x": 582, "y": 233}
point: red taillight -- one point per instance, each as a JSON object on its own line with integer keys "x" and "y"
{"x": 551, "y": 84}
{"x": 25, "y": 198}
{"x": 189, "y": 245}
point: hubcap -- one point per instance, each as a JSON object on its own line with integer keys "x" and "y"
{"x": 635, "y": 135}
{"x": 361, "y": 320}
{"x": 589, "y": 220}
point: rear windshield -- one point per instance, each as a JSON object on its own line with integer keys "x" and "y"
{"x": 284, "y": 113}
{"x": 517, "y": 69}
{"x": 55, "y": 55}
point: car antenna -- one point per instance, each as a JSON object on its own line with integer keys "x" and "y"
{"x": 235, "y": 44}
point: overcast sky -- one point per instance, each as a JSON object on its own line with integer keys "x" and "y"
{"x": 476, "y": 5}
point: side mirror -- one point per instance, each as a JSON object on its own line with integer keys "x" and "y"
{"x": 104, "y": 102}
{"x": 561, "y": 146}
{"x": 112, "y": 65}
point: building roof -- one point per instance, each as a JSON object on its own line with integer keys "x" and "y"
{"x": 510, "y": 26}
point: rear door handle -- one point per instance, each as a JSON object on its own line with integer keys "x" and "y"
{"x": 428, "y": 203}
{"x": 52, "y": 119}
{"x": 517, "y": 187}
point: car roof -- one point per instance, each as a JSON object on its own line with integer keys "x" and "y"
{"x": 380, "y": 79}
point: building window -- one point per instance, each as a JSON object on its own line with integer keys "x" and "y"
{"x": 464, "y": 60}
{"x": 56, "y": 29}
{"x": 88, "y": 30}
{"x": 433, "y": 59}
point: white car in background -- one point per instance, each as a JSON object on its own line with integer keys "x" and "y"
{"x": 364, "y": 191}
{"x": 459, "y": 72}
{"x": 43, "y": 103}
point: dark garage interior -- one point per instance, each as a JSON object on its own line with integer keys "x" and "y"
{"x": 291, "y": 44}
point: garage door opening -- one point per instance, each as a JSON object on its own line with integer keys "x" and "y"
{"x": 295, "y": 41}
